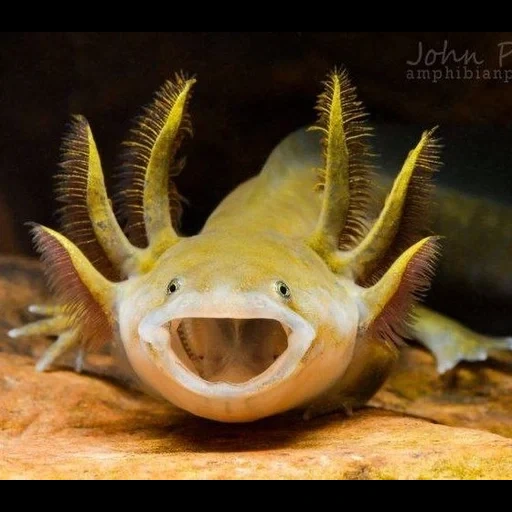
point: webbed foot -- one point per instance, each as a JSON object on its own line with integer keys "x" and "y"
{"x": 58, "y": 323}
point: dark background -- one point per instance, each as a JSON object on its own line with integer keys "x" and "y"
{"x": 253, "y": 89}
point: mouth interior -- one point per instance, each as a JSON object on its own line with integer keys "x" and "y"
{"x": 231, "y": 350}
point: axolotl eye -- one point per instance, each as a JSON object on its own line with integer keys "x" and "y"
{"x": 282, "y": 289}
{"x": 173, "y": 286}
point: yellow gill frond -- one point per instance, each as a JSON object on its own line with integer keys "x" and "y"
{"x": 389, "y": 303}
{"x": 71, "y": 191}
{"x": 148, "y": 198}
{"x": 88, "y": 297}
{"x": 404, "y": 217}
{"x": 345, "y": 178}
{"x": 87, "y": 215}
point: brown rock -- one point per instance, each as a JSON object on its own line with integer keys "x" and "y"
{"x": 473, "y": 395}
{"x": 64, "y": 425}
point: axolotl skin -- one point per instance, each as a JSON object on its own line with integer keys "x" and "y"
{"x": 296, "y": 294}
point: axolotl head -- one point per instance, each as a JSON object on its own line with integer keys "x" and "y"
{"x": 239, "y": 329}
{"x": 239, "y": 323}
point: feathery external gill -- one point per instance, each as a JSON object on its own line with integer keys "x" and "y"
{"x": 71, "y": 190}
{"x": 390, "y": 301}
{"x": 348, "y": 166}
{"x": 404, "y": 218}
{"x": 382, "y": 257}
{"x": 147, "y": 198}
{"x": 87, "y": 207}
{"x": 87, "y": 296}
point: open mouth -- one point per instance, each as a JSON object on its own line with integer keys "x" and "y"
{"x": 217, "y": 346}
{"x": 231, "y": 350}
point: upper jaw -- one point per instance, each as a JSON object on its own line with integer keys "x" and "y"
{"x": 156, "y": 337}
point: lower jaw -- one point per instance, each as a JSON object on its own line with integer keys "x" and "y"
{"x": 230, "y": 409}
{"x": 219, "y": 401}
{"x": 232, "y": 404}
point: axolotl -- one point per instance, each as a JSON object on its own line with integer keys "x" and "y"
{"x": 297, "y": 293}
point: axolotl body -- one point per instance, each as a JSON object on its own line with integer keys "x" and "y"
{"x": 297, "y": 293}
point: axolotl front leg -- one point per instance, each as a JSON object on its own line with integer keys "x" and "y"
{"x": 58, "y": 323}
{"x": 451, "y": 342}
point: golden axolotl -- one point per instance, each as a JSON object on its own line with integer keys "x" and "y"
{"x": 297, "y": 293}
